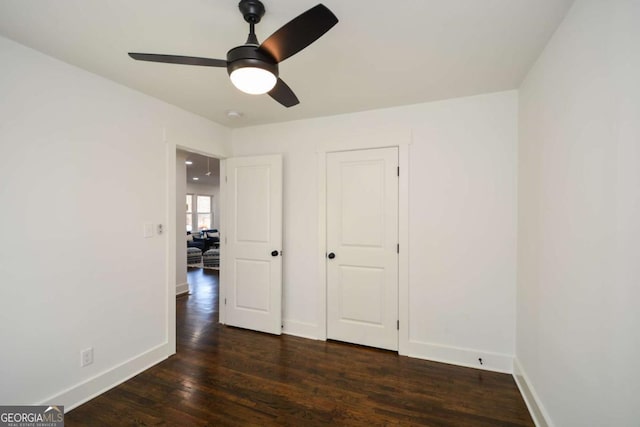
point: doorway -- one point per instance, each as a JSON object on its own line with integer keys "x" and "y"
{"x": 198, "y": 207}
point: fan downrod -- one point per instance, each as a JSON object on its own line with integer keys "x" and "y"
{"x": 252, "y": 10}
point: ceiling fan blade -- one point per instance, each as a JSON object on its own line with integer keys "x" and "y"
{"x": 176, "y": 59}
{"x": 282, "y": 93}
{"x": 299, "y": 33}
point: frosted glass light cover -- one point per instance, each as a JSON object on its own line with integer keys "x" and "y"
{"x": 252, "y": 80}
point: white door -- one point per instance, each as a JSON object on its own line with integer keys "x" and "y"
{"x": 254, "y": 243}
{"x": 362, "y": 239}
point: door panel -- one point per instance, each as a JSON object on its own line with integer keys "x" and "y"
{"x": 252, "y": 184}
{"x": 252, "y": 285}
{"x": 362, "y": 295}
{"x": 254, "y": 200}
{"x": 362, "y": 216}
{"x": 362, "y": 232}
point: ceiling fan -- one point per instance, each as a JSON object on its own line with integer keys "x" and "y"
{"x": 253, "y": 67}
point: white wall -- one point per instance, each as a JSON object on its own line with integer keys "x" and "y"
{"x": 83, "y": 164}
{"x": 182, "y": 285}
{"x": 578, "y": 321}
{"x": 209, "y": 190}
{"x": 462, "y": 219}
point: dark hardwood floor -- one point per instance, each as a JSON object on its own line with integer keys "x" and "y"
{"x": 227, "y": 376}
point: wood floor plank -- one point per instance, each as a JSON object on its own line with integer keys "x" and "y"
{"x": 224, "y": 376}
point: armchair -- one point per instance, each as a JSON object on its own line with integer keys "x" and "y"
{"x": 212, "y": 238}
{"x": 194, "y": 241}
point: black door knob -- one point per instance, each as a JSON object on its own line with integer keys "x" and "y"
{"x": 331, "y": 255}
{"x": 274, "y": 253}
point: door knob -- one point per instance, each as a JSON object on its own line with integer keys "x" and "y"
{"x": 274, "y": 253}
{"x": 331, "y": 255}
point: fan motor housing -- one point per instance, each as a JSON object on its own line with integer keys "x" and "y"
{"x": 249, "y": 56}
{"x": 252, "y": 10}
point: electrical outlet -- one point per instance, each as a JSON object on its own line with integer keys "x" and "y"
{"x": 86, "y": 357}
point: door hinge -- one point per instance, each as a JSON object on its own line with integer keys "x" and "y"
{"x": 225, "y": 178}
{"x": 398, "y": 170}
{"x": 397, "y": 324}
{"x": 225, "y": 301}
{"x": 398, "y": 248}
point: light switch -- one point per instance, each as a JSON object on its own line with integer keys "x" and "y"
{"x": 148, "y": 230}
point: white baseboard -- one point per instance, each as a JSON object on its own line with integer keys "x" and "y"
{"x": 182, "y": 288}
{"x": 536, "y": 409}
{"x": 95, "y": 386}
{"x": 461, "y": 356}
{"x": 300, "y": 329}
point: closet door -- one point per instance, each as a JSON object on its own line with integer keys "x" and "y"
{"x": 362, "y": 239}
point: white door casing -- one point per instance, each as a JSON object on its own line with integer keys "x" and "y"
{"x": 253, "y": 257}
{"x": 362, "y": 233}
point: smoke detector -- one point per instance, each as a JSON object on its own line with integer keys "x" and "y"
{"x": 233, "y": 115}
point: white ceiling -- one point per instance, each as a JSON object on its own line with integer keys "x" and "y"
{"x": 199, "y": 168}
{"x": 380, "y": 54}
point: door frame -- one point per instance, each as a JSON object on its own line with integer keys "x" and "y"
{"x": 367, "y": 139}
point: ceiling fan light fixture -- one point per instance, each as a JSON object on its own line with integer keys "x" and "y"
{"x": 250, "y": 70}
{"x": 253, "y": 66}
{"x": 253, "y": 80}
